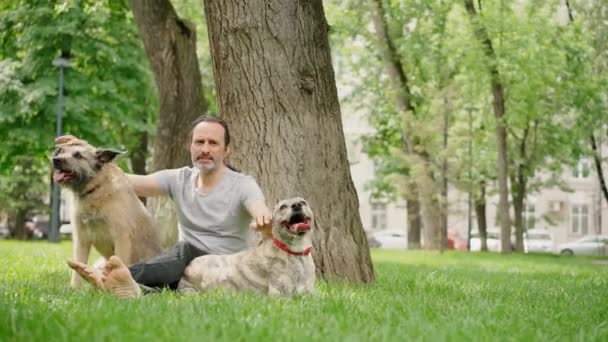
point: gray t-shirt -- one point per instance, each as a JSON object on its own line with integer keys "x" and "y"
{"x": 216, "y": 221}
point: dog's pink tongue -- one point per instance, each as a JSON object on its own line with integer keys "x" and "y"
{"x": 303, "y": 226}
{"x": 58, "y": 176}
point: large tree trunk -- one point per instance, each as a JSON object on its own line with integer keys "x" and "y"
{"x": 414, "y": 224}
{"x": 480, "y": 213}
{"x": 276, "y": 89}
{"x": 16, "y": 224}
{"x": 170, "y": 43}
{"x": 498, "y": 105}
{"x": 429, "y": 205}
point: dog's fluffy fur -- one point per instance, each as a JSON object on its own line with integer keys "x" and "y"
{"x": 107, "y": 213}
{"x": 265, "y": 269}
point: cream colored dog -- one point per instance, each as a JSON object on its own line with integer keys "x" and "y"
{"x": 108, "y": 215}
{"x": 281, "y": 265}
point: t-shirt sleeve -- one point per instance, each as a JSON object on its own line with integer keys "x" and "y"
{"x": 167, "y": 179}
{"x": 251, "y": 191}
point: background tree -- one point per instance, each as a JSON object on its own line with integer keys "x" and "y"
{"x": 275, "y": 86}
{"x": 498, "y": 105}
{"x": 170, "y": 43}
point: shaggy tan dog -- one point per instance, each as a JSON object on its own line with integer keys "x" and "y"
{"x": 281, "y": 265}
{"x": 108, "y": 215}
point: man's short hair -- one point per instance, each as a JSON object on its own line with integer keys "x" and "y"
{"x": 214, "y": 119}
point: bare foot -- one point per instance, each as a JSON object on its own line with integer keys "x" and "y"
{"x": 118, "y": 279}
{"x": 89, "y": 273}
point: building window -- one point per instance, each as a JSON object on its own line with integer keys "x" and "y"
{"x": 378, "y": 216}
{"x": 580, "y": 219}
{"x": 529, "y": 217}
{"x": 581, "y": 170}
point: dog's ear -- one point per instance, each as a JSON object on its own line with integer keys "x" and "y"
{"x": 107, "y": 155}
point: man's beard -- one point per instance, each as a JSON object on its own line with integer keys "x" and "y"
{"x": 207, "y": 168}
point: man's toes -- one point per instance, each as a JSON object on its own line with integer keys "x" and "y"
{"x": 76, "y": 265}
{"x": 114, "y": 263}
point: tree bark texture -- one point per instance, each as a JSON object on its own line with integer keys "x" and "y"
{"x": 429, "y": 195}
{"x": 480, "y": 213}
{"x": 519, "y": 190}
{"x": 170, "y": 43}
{"x": 414, "y": 224}
{"x": 16, "y": 223}
{"x": 276, "y": 89}
{"x": 498, "y": 105}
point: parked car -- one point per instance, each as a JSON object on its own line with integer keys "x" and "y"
{"x": 588, "y": 245}
{"x": 4, "y": 232}
{"x": 66, "y": 231}
{"x": 455, "y": 241}
{"x": 492, "y": 240}
{"x": 539, "y": 240}
{"x": 372, "y": 242}
{"x": 391, "y": 238}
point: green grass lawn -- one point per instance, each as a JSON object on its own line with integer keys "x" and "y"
{"x": 418, "y": 296}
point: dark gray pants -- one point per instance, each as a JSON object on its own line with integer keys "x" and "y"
{"x": 165, "y": 270}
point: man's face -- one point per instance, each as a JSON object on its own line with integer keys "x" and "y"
{"x": 207, "y": 148}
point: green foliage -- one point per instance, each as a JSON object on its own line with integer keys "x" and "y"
{"x": 25, "y": 187}
{"x": 553, "y": 73}
{"x": 108, "y": 89}
{"x": 418, "y": 296}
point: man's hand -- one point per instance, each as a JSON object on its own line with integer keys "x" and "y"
{"x": 264, "y": 221}
{"x": 262, "y": 218}
{"x": 67, "y": 138}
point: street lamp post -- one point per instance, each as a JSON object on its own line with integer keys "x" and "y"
{"x": 61, "y": 62}
{"x": 470, "y": 110}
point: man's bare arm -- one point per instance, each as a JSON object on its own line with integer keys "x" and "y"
{"x": 145, "y": 186}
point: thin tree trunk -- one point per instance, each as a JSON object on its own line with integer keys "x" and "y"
{"x": 170, "y": 43}
{"x": 444, "y": 178}
{"x": 519, "y": 189}
{"x": 598, "y": 167}
{"x": 480, "y": 213}
{"x": 498, "y": 105}
{"x": 276, "y": 89}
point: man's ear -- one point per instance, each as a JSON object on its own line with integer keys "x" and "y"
{"x": 107, "y": 155}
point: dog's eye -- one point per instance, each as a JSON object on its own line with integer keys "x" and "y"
{"x": 77, "y": 155}
{"x": 283, "y": 207}
{"x": 303, "y": 203}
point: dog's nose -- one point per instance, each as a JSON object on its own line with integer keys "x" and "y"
{"x": 296, "y": 206}
{"x": 57, "y": 162}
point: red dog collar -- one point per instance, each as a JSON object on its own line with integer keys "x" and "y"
{"x": 289, "y": 251}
